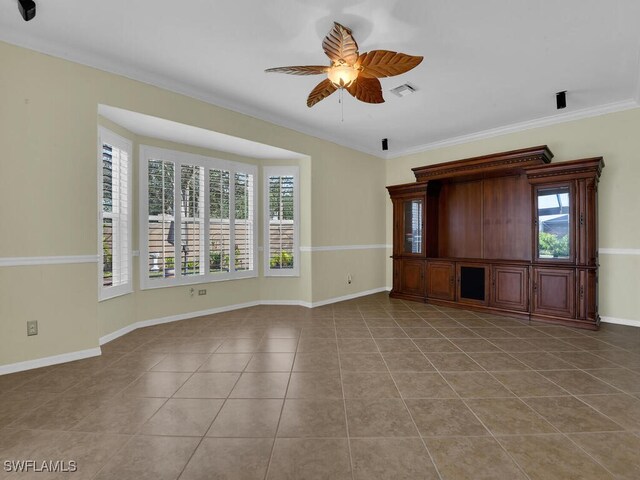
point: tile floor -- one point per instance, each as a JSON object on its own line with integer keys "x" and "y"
{"x": 368, "y": 389}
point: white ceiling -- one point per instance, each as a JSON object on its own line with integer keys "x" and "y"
{"x": 155, "y": 127}
{"x": 488, "y": 64}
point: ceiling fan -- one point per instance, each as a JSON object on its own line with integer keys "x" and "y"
{"x": 357, "y": 73}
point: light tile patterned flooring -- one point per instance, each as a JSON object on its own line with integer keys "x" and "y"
{"x": 368, "y": 389}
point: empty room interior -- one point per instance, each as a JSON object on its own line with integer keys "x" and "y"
{"x": 339, "y": 239}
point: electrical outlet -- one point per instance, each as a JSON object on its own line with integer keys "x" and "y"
{"x": 202, "y": 292}
{"x": 32, "y": 327}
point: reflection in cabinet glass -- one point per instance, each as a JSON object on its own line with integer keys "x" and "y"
{"x": 553, "y": 222}
{"x": 413, "y": 226}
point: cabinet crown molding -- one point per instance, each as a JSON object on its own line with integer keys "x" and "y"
{"x": 495, "y": 164}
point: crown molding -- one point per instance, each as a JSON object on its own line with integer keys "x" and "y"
{"x": 165, "y": 83}
{"x": 522, "y": 126}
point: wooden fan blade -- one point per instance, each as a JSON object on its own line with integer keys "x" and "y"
{"x": 300, "y": 70}
{"x": 339, "y": 45}
{"x": 367, "y": 90}
{"x": 322, "y": 91}
{"x": 384, "y": 63}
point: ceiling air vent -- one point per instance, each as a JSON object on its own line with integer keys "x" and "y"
{"x": 403, "y": 90}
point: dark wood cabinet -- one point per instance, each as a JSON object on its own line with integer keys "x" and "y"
{"x": 507, "y": 233}
{"x": 587, "y": 309}
{"x": 472, "y": 283}
{"x": 441, "y": 280}
{"x": 510, "y": 288}
{"x": 412, "y": 278}
{"x": 554, "y": 292}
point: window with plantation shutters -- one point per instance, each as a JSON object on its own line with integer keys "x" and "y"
{"x": 281, "y": 253}
{"x": 114, "y": 207}
{"x": 197, "y": 218}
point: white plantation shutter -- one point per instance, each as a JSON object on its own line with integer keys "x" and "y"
{"x": 114, "y": 224}
{"x": 219, "y": 226}
{"x": 160, "y": 220}
{"x": 192, "y": 233}
{"x": 282, "y": 248}
{"x": 199, "y": 218}
{"x": 243, "y": 235}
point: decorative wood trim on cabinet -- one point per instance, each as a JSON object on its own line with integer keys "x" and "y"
{"x": 478, "y": 166}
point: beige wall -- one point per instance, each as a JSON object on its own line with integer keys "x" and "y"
{"x": 616, "y": 137}
{"x": 48, "y": 192}
{"x": 48, "y": 177}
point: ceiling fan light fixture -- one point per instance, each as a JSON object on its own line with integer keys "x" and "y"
{"x": 342, "y": 76}
{"x": 349, "y": 70}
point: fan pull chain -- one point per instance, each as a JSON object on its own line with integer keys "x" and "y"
{"x": 341, "y": 105}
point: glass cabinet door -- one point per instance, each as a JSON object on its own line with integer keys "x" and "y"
{"x": 413, "y": 226}
{"x": 554, "y": 222}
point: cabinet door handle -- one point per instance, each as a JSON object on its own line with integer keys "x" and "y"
{"x": 581, "y": 291}
{"x": 581, "y": 219}
{"x": 535, "y": 286}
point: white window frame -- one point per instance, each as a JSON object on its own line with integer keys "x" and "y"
{"x": 289, "y": 171}
{"x": 106, "y": 136}
{"x": 182, "y": 158}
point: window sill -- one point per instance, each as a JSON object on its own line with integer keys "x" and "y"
{"x": 280, "y": 274}
{"x": 150, "y": 285}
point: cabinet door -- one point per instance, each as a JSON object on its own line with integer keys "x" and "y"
{"x": 441, "y": 280}
{"x": 587, "y": 295}
{"x": 510, "y": 288}
{"x": 554, "y": 291}
{"x": 412, "y": 211}
{"x": 554, "y": 212}
{"x": 412, "y": 277}
{"x": 586, "y": 219}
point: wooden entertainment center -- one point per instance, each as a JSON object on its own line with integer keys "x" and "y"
{"x": 508, "y": 233}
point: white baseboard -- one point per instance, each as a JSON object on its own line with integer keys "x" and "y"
{"x": 92, "y": 352}
{"x": 351, "y": 296}
{"x": 621, "y": 321}
{"x": 48, "y": 361}
{"x": 183, "y": 316}
{"x": 172, "y": 318}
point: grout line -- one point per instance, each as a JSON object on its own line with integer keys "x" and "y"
{"x": 415, "y": 425}
{"x": 481, "y": 422}
{"x": 344, "y": 402}
{"x": 158, "y": 334}
{"x": 221, "y": 406}
{"x": 284, "y": 400}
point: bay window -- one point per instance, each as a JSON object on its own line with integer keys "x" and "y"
{"x": 114, "y": 212}
{"x": 281, "y": 213}
{"x": 197, "y": 218}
